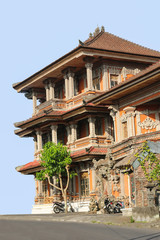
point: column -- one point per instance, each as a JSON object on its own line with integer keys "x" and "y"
{"x": 138, "y": 120}
{"x": 51, "y": 89}
{"x": 71, "y": 84}
{"x": 66, "y": 86}
{"x": 105, "y": 78}
{"x": 54, "y": 133}
{"x": 74, "y": 185}
{"x": 40, "y": 188}
{"x": 93, "y": 179}
{"x": 113, "y": 115}
{"x": 34, "y": 97}
{"x": 91, "y": 121}
{"x": 35, "y": 144}
{"x": 68, "y": 134}
{"x": 39, "y": 140}
{"x": 73, "y": 132}
{"x": 89, "y": 75}
{"x": 130, "y": 120}
{"x": 47, "y": 91}
{"x": 36, "y": 186}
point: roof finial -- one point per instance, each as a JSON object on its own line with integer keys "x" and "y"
{"x": 97, "y": 31}
{"x": 102, "y": 29}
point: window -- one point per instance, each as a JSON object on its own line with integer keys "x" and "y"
{"x": 84, "y": 184}
{"x": 82, "y": 129}
{"x": 96, "y": 78}
{"x": 61, "y": 134}
{"x": 113, "y": 80}
{"x": 59, "y": 91}
{"x": 98, "y": 126}
{"x": 96, "y": 83}
{"x": 45, "y": 188}
{"x": 44, "y": 139}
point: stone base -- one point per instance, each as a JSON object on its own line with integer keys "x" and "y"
{"x": 145, "y": 214}
{"x": 48, "y": 208}
{"x": 126, "y": 212}
{"x": 42, "y": 209}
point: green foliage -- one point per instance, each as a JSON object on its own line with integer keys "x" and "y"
{"x": 149, "y": 163}
{"x": 54, "y": 160}
{"x": 132, "y": 220}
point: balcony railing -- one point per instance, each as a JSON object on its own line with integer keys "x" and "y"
{"x": 54, "y": 104}
{"x": 97, "y": 140}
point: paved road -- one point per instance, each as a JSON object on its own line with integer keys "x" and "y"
{"x": 42, "y": 230}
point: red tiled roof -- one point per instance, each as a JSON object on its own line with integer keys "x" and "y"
{"x": 29, "y": 165}
{"x": 92, "y": 150}
{"x": 108, "y": 41}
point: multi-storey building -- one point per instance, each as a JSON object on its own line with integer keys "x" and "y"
{"x": 101, "y": 100}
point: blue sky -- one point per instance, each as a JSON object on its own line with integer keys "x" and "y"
{"x": 34, "y": 34}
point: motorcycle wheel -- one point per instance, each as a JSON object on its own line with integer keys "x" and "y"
{"x": 56, "y": 209}
{"x": 72, "y": 210}
{"x": 109, "y": 209}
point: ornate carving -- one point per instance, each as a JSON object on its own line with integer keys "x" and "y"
{"x": 148, "y": 123}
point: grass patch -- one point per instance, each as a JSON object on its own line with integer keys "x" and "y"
{"x": 132, "y": 220}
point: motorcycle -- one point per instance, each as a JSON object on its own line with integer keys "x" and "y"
{"x": 59, "y": 207}
{"x": 108, "y": 206}
{"x": 118, "y": 206}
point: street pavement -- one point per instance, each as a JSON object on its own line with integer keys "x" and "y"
{"x": 21, "y": 229}
{"x": 105, "y": 219}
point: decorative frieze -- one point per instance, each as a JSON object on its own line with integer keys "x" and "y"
{"x": 148, "y": 123}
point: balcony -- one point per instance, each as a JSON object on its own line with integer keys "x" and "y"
{"x": 94, "y": 141}
{"x": 54, "y": 104}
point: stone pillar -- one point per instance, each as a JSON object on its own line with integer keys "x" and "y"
{"x": 73, "y": 132}
{"x": 47, "y": 91}
{"x": 39, "y": 140}
{"x": 66, "y": 86}
{"x": 71, "y": 84}
{"x": 91, "y": 121}
{"x": 54, "y": 133}
{"x": 74, "y": 186}
{"x": 105, "y": 78}
{"x": 93, "y": 179}
{"x": 79, "y": 181}
{"x": 138, "y": 120}
{"x": 36, "y": 187}
{"x": 35, "y": 144}
{"x": 89, "y": 75}
{"x": 34, "y": 97}
{"x": 130, "y": 120}
{"x": 51, "y": 89}
{"x": 40, "y": 188}
{"x": 68, "y": 134}
{"x": 113, "y": 111}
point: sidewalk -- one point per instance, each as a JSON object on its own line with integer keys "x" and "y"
{"x": 108, "y": 219}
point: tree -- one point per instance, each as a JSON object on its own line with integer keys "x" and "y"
{"x": 149, "y": 163}
{"x": 56, "y": 161}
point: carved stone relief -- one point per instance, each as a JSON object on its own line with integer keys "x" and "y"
{"x": 148, "y": 123}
